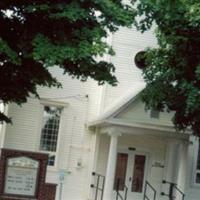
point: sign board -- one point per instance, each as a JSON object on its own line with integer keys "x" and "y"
{"x": 21, "y": 176}
{"x": 158, "y": 164}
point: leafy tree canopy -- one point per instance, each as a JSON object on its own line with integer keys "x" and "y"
{"x": 173, "y": 72}
{"x": 37, "y": 35}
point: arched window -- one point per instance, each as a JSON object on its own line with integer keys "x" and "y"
{"x": 49, "y": 132}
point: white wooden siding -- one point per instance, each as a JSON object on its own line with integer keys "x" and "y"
{"x": 136, "y": 112}
{"x": 126, "y": 43}
{"x": 74, "y": 142}
{"x": 22, "y": 134}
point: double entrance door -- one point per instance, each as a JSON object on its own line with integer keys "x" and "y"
{"x": 131, "y": 171}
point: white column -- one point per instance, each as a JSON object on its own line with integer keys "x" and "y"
{"x": 183, "y": 165}
{"x": 111, "y": 164}
{"x": 170, "y": 164}
{"x": 171, "y": 161}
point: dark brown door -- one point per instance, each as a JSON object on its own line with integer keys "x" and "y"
{"x": 120, "y": 172}
{"x": 138, "y": 173}
{"x": 130, "y": 171}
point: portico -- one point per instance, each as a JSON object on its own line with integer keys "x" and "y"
{"x": 134, "y": 149}
{"x": 138, "y": 156}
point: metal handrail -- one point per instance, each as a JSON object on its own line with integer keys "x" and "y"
{"x": 172, "y": 188}
{"x": 147, "y": 184}
{"x": 177, "y": 189}
{"x": 97, "y": 185}
{"x": 118, "y": 195}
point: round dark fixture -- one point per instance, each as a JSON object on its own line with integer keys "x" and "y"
{"x": 140, "y": 59}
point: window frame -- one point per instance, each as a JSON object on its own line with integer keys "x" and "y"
{"x": 196, "y": 143}
{"x": 62, "y": 105}
{"x": 152, "y": 112}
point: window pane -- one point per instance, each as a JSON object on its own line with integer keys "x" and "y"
{"x": 198, "y": 158}
{"x": 120, "y": 173}
{"x": 138, "y": 173}
{"x": 154, "y": 113}
{"x": 51, "y": 160}
{"x": 198, "y": 178}
{"x": 49, "y": 136}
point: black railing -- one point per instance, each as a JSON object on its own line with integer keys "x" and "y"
{"x": 99, "y": 185}
{"x": 118, "y": 194}
{"x": 146, "y": 186}
{"x": 173, "y": 191}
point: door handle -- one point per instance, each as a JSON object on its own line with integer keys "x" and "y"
{"x": 130, "y": 179}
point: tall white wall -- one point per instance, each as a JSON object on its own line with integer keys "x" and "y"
{"x": 126, "y": 43}
{"x": 75, "y": 144}
{"x": 83, "y": 102}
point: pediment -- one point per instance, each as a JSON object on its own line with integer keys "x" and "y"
{"x": 136, "y": 112}
{"x": 129, "y": 110}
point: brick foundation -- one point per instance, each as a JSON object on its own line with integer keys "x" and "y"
{"x": 44, "y": 191}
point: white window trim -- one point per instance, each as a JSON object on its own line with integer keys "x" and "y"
{"x": 63, "y": 105}
{"x": 49, "y": 102}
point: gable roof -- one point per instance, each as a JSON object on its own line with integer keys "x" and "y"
{"x": 120, "y": 104}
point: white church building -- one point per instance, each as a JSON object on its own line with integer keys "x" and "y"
{"x": 102, "y": 143}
